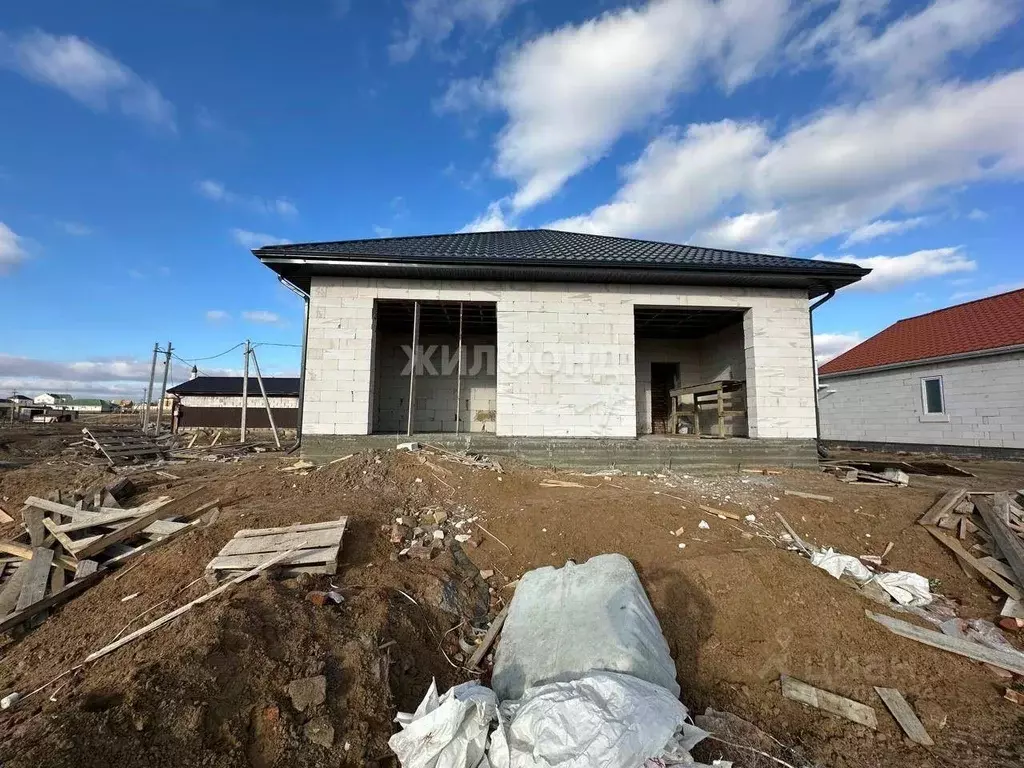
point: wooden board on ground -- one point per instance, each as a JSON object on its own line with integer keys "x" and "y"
{"x": 72, "y": 590}
{"x": 37, "y": 577}
{"x": 125, "y": 532}
{"x": 939, "y": 509}
{"x": 905, "y": 716}
{"x": 965, "y": 557}
{"x": 318, "y": 546}
{"x": 976, "y": 651}
{"x": 796, "y": 690}
{"x": 11, "y": 591}
{"x": 1006, "y": 540}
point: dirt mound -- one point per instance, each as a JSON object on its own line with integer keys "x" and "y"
{"x": 213, "y": 688}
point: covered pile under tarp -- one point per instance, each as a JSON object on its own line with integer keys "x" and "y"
{"x": 582, "y": 677}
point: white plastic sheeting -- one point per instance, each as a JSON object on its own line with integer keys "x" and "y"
{"x": 584, "y": 678}
{"x": 449, "y": 731}
{"x": 603, "y": 719}
{"x": 904, "y": 587}
{"x": 566, "y": 622}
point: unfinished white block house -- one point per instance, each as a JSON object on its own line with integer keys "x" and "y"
{"x": 950, "y": 381}
{"x": 517, "y": 337}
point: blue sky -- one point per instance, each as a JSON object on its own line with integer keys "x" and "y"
{"x": 147, "y": 146}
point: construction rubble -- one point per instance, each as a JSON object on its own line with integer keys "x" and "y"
{"x": 426, "y": 607}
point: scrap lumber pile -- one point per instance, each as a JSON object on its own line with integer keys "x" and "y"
{"x": 985, "y": 531}
{"x": 121, "y": 445}
{"x": 316, "y": 547}
{"x": 889, "y": 472}
{"x": 228, "y": 452}
{"x": 67, "y": 548}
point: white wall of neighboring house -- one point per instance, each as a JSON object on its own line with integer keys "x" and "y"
{"x": 80, "y": 408}
{"x": 566, "y": 354}
{"x": 983, "y": 400}
{"x": 231, "y": 401}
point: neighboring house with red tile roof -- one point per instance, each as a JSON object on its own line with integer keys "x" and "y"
{"x": 953, "y": 377}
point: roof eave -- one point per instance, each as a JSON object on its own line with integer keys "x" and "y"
{"x": 924, "y": 361}
{"x": 300, "y": 268}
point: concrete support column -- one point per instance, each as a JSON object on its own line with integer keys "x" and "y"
{"x": 780, "y": 376}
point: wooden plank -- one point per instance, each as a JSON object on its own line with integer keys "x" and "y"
{"x": 720, "y": 512}
{"x": 1004, "y": 660}
{"x": 14, "y": 548}
{"x": 72, "y": 590}
{"x": 11, "y": 591}
{"x": 795, "y": 690}
{"x": 1006, "y": 540}
{"x": 279, "y": 542}
{"x": 86, "y": 568}
{"x": 998, "y": 566}
{"x": 302, "y": 557}
{"x": 85, "y": 520}
{"x": 63, "y": 538}
{"x": 289, "y": 529}
{"x": 793, "y": 534}
{"x": 50, "y": 506}
{"x": 4, "y": 517}
{"x": 815, "y": 496}
{"x": 37, "y": 577}
{"x": 905, "y": 716}
{"x": 966, "y": 557}
{"x": 34, "y": 525}
{"x": 948, "y": 500}
{"x": 188, "y": 606}
{"x": 125, "y": 532}
{"x": 121, "y": 558}
{"x": 488, "y": 640}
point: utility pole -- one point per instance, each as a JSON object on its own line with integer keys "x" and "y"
{"x": 149, "y": 392}
{"x": 163, "y": 389}
{"x": 245, "y": 388}
{"x": 266, "y": 400}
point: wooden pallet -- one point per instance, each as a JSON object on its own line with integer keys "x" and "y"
{"x": 319, "y": 545}
{"x": 120, "y": 445}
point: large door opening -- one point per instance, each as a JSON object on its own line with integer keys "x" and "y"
{"x": 434, "y": 366}
{"x": 688, "y": 353}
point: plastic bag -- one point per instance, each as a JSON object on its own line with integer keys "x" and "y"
{"x": 449, "y": 731}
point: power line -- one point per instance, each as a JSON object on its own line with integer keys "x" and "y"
{"x": 212, "y": 357}
{"x": 273, "y": 344}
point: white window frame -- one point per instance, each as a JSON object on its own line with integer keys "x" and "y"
{"x": 938, "y": 415}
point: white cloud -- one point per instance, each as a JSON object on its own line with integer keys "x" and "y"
{"x": 86, "y": 73}
{"x": 914, "y": 48}
{"x": 255, "y": 239}
{"x": 217, "y": 315}
{"x": 571, "y": 93}
{"x": 491, "y": 220}
{"x": 882, "y": 228}
{"x": 382, "y": 231}
{"x": 432, "y": 22}
{"x": 991, "y": 290}
{"x": 829, "y": 345}
{"x": 977, "y": 215}
{"x": 889, "y": 272}
{"x": 261, "y": 316}
{"x": 839, "y": 170}
{"x": 114, "y": 377}
{"x": 75, "y": 228}
{"x": 11, "y": 251}
{"x": 215, "y": 190}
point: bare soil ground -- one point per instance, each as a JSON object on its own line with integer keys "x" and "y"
{"x": 210, "y": 689}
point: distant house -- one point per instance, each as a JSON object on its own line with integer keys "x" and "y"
{"x": 88, "y": 405}
{"x": 21, "y": 400}
{"x": 216, "y": 401}
{"x": 949, "y": 379}
{"x": 51, "y": 398}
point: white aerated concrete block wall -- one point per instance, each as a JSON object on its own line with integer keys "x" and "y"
{"x": 984, "y": 403}
{"x": 437, "y": 386}
{"x": 565, "y": 353}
